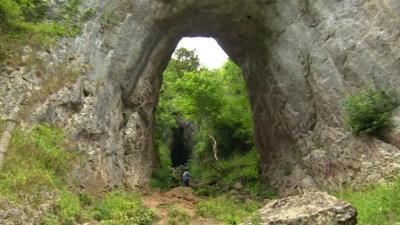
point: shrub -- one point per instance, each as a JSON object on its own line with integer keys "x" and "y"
{"x": 368, "y": 110}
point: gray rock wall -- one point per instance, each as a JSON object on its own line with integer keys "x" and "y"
{"x": 299, "y": 58}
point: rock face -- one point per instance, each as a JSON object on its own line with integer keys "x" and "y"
{"x": 309, "y": 209}
{"x": 299, "y": 59}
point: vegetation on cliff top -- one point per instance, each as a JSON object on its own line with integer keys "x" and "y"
{"x": 36, "y": 23}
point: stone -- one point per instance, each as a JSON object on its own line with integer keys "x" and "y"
{"x": 313, "y": 208}
{"x": 238, "y": 186}
{"x": 299, "y": 59}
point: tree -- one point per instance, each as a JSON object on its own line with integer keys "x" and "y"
{"x": 185, "y": 61}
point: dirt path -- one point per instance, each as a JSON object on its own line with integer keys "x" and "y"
{"x": 181, "y": 198}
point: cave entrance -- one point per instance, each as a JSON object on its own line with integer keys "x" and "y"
{"x": 180, "y": 152}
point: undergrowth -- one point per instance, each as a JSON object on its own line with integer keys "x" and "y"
{"x": 30, "y": 22}
{"x": 240, "y": 169}
{"x": 378, "y": 204}
{"x": 227, "y": 209}
{"x": 36, "y": 173}
{"x": 162, "y": 176}
{"x": 178, "y": 216}
{"x": 121, "y": 208}
{"x": 35, "y": 161}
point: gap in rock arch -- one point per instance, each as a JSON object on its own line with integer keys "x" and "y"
{"x": 204, "y": 107}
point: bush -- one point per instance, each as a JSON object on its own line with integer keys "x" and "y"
{"x": 368, "y": 110}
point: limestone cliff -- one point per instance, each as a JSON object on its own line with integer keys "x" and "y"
{"x": 299, "y": 58}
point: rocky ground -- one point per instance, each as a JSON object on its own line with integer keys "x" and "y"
{"x": 180, "y": 197}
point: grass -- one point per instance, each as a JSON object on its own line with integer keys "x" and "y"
{"x": 35, "y": 161}
{"x": 122, "y": 208}
{"x": 378, "y": 204}
{"x": 227, "y": 209}
{"x": 36, "y": 172}
{"x": 178, "y": 216}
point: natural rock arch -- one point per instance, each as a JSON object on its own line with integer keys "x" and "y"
{"x": 298, "y": 58}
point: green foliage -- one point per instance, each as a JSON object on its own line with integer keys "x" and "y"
{"x": 69, "y": 208}
{"x": 162, "y": 177}
{"x": 28, "y": 22}
{"x": 33, "y": 10}
{"x": 377, "y": 204}
{"x": 368, "y": 110}
{"x": 177, "y": 216}
{"x": 36, "y": 160}
{"x": 200, "y": 97}
{"x": 227, "y": 209}
{"x": 185, "y": 61}
{"x": 121, "y": 208}
{"x": 238, "y": 168}
{"x": 217, "y": 102}
{"x": 9, "y": 12}
{"x": 37, "y": 166}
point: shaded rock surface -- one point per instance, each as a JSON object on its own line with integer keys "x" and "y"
{"x": 314, "y": 208}
{"x": 299, "y": 58}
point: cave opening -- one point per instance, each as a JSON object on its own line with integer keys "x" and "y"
{"x": 179, "y": 151}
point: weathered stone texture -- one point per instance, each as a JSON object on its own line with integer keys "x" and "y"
{"x": 314, "y": 208}
{"x": 299, "y": 57}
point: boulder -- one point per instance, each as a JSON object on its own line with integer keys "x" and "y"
{"x": 313, "y": 208}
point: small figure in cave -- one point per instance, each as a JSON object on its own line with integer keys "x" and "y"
{"x": 185, "y": 178}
